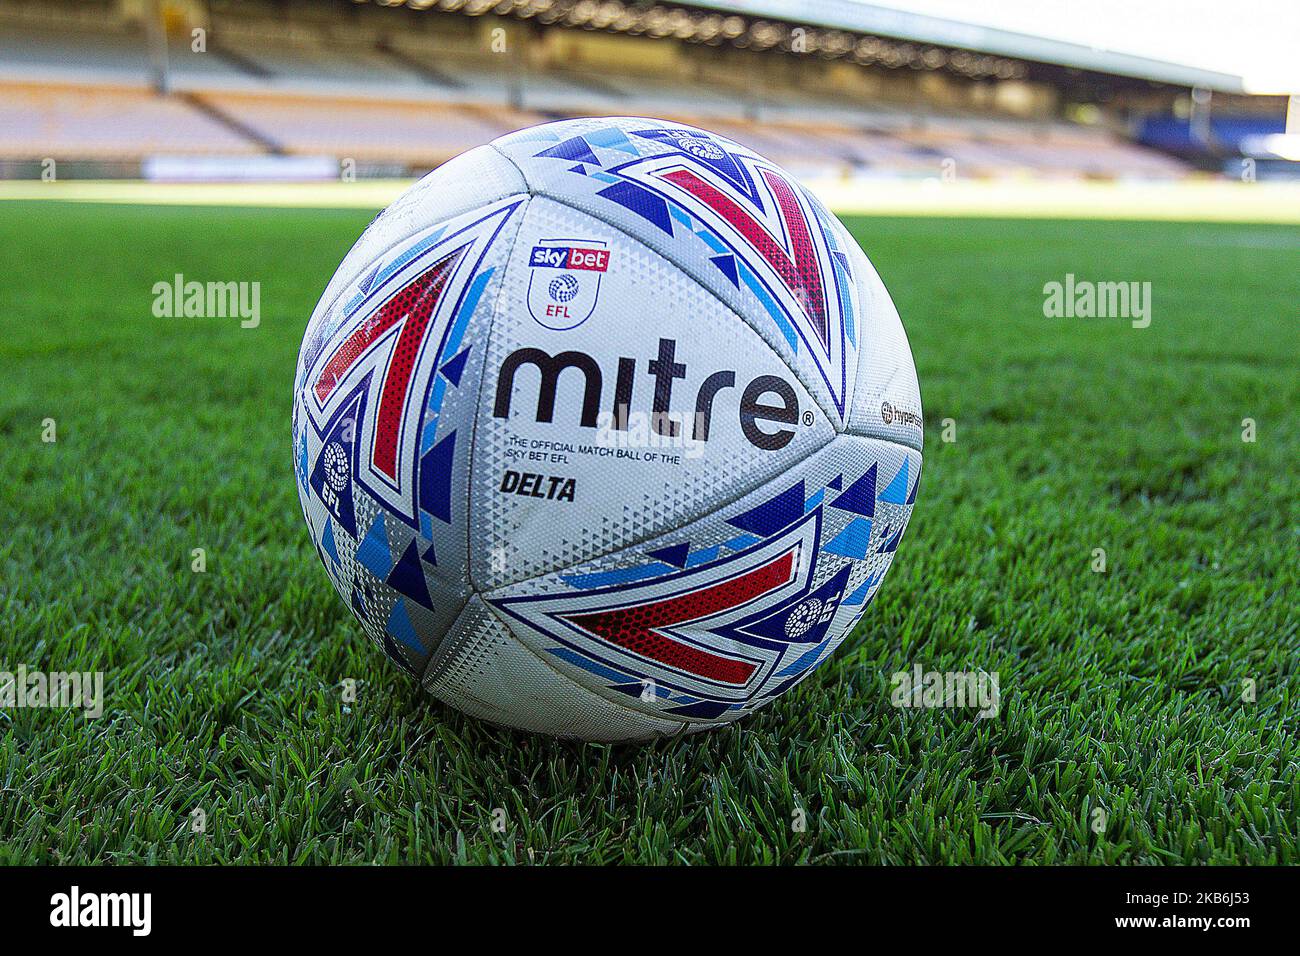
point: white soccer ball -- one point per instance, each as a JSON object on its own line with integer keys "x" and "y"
{"x": 607, "y": 429}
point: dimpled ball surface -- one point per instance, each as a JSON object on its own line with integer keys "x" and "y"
{"x": 607, "y": 430}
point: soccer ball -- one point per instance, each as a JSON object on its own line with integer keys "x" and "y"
{"x": 607, "y": 430}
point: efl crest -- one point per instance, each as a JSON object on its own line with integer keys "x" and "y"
{"x": 564, "y": 280}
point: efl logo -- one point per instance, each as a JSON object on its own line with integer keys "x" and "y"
{"x": 565, "y": 281}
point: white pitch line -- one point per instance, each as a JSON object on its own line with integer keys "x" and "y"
{"x": 1187, "y": 201}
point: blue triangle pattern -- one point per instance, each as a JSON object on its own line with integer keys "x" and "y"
{"x": 892, "y": 543}
{"x": 327, "y": 541}
{"x": 574, "y": 149}
{"x": 804, "y": 661}
{"x": 703, "y": 556}
{"x": 455, "y": 367}
{"x": 741, "y": 541}
{"x": 704, "y": 709}
{"x": 611, "y": 137}
{"x": 304, "y": 465}
{"x": 373, "y": 555}
{"x": 407, "y": 577}
{"x": 727, "y": 266}
{"x": 641, "y": 201}
{"x": 369, "y": 279}
{"x": 854, "y": 541}
{"x": 675, "y": 554}
{"x": 399, "y": 625}
{"x": 435, "y": 478}
{"x": 859, "y": 497}
{"x": 774, "y": 514}
{"x": 859, "y": 594}
{"x": 896, "y": 493}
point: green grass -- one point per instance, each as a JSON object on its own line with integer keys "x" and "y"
{"x": 1120, "y": 691}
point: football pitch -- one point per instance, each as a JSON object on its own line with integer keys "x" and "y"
{"x": 1108, "y": 522}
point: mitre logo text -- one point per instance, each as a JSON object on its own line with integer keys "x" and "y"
{"x": 763, "y": 408}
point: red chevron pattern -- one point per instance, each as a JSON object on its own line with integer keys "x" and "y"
{"x": 640, "y": 629}
{"x": 799, "y": 269}
{"x": 411, "y": 307}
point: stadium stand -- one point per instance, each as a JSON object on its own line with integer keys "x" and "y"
{"x": 103, "y": 122}
{"x": 112, "y": 54}
{"x": 420, "y": 134}
{"x": 357, "y": 83}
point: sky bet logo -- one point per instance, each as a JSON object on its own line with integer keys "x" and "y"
{"x": 570, "y": 257}
{"x": 564, "y": 283}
